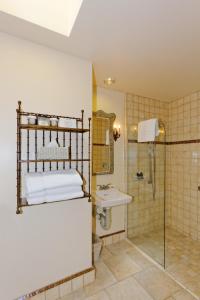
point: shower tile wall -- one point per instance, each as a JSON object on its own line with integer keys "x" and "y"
{"x": 182, "y": 121}
{"x": 144, "y": 213}
{"x": 183, "y": 166}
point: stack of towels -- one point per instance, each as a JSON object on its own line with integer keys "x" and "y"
{"x": 53, "y": 186}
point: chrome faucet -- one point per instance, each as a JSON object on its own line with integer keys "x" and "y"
{"x": 104, "y": 186}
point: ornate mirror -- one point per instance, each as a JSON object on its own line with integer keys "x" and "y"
{"x": 103, "y": 143}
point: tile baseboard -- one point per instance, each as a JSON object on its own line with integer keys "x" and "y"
{"x": 62, "y": 287}
{"x": 114, "y": 237}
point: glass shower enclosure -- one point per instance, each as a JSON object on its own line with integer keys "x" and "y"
{"x": 146, "y": 183}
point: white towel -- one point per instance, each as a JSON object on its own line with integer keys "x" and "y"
{"x": 34, "y": 183}
{"x": 55, "y": 179}
{"x": 56, "y": 197}
{"x": 37, "y": 182}
{"x": 148, "y": 130}
{"x": 69, "y": 123}
{"x": 64, "y": 196}
{"x": 55, "y": 191}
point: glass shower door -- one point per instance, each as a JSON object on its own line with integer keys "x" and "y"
{"x": 146, "y": 213}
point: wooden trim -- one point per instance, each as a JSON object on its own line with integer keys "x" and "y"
{"x": 111, "y": 234}
{"x": 59, "y": 282}
{"x": 101, "y": 145}
{"x": 155, "y": 142}
{"x": 184, "y": 142}
{"x": 169, "y": 143}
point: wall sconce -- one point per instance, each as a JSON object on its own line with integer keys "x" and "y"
{"x": 116, "y": 132}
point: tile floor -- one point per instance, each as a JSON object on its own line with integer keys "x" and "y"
{"x": 182, "y": 256}
{"x": 124, "y": 273}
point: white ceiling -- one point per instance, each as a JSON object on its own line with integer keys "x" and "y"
{"x": 151, "y": 47}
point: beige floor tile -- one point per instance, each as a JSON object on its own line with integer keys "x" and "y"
{"x": 182, "y": 272}
{"x": 194, "y": 285}
{"x": 139, "y": 258}
{"x": 145, "y": 280}
{"x": 128, "y": 289}
{"x": 122, "y": 266}
{"x": 119, "y": 247}
{"x": 157, "y": 283}
{"x": 182, "y": 255}
{"x": 100, "y": 296}
{"x": 183, "y": 295}
{"x": 104, "y": 278}
{"x": 105, "y": 253}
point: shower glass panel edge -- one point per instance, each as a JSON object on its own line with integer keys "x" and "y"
{"x": 146, "y": 214}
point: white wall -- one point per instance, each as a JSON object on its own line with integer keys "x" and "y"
{"x": 112, "y": 101}
{"x": 48, "y": 242}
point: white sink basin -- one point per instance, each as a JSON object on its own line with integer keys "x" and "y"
{"x": 111, "y": 197}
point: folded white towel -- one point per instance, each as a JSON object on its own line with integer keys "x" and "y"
{"x": 57, "y": 179}
{"x": 64, "y": 196}
{"x": 64, "y": 190}
{"x": 34, "y": 183}
{"x": 56, "y": 197}
{"x": 55, "y": 191}
{"x": 53, "y": 144}
{"x": 37, "y": 182}
{"x": 148, "y": 130}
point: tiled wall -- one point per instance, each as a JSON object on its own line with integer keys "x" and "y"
{"x": 144, "y": 213}
{"x": 182, "y": 122}
{"x": 183, "y": 166}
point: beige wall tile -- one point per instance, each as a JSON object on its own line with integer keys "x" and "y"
{"x": 52, "y": 294}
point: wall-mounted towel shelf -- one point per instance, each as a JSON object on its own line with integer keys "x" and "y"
{"x": 31, "y": 137}
{"x": 24, "y": 202}
{"x": 53, "y": 128}
{"x": 53, "y": 160}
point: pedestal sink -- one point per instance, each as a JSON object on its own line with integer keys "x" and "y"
{"x": 111, "y": 197}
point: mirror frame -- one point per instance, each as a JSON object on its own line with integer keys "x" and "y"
{"x": 111, "y": 117}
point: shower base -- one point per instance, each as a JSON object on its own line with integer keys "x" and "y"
{"x": 182, "y": 255}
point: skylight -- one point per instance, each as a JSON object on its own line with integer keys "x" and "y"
{"x": 55, "y": 15}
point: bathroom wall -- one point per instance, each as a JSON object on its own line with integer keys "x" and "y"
{"x": 113, "y": 102}
{"x": 181, "y": 118}
{"x": 183, "y": 165}
{"x": 48, "y": 242}
{"x": 144, "y": 213}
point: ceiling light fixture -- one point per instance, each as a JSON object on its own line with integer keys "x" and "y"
{"x": 109, "y": 81}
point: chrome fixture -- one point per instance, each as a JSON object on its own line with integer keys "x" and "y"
{"x": 105, "y": 217}
{"x": 152, "y": 160}
{"x": 104, "y": 186}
